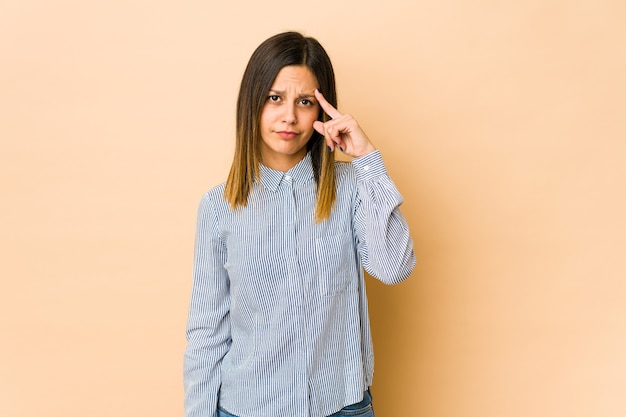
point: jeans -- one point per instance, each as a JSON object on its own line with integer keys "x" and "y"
{"x": 360, "y": 409}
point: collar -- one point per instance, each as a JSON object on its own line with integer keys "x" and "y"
{"x": 299, "y": 174}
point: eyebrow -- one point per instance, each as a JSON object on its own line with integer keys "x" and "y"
{"x": 272, "y": 91}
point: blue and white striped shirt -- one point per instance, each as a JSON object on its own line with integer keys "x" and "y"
{"x": 278, "y": 322}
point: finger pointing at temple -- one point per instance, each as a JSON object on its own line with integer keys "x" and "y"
{"x": 326, "y": 106}
{"x": 342, "y": 131}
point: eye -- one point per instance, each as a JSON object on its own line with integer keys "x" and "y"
{"x": 306, "y": 102}
{"x": 274, "y": 98}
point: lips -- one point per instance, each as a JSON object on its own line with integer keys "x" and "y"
{"x": 284, "y": 134}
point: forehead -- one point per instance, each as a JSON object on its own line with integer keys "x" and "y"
{"x": 295, "y": 77}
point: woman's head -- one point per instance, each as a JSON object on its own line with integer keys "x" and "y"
{"x": 280, "y": 51}
{"x": 277, "y": 52}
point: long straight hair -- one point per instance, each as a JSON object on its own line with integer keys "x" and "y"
{"x": 281, "y": 50}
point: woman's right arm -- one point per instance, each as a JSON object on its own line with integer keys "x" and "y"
{"x": 208, "y": 325}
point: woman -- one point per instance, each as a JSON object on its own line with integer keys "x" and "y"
{"x": 278, "y": 322}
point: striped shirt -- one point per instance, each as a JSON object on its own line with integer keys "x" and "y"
{"x": 278, "y": 323}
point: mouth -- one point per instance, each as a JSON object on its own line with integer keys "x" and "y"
{"x": 287, "y": 134}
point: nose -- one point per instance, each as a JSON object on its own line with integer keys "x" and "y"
{"x": 289, "y": 116}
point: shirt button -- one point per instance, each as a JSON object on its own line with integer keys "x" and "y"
{"x": 366, "y": 168}
{"x": 288, "y": 177}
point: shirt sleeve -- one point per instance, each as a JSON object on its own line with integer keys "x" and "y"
{"x": 385, "y": 245}
{"x": 208, "y": 325}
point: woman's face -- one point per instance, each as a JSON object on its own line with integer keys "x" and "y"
{"x": 287, "y": 117}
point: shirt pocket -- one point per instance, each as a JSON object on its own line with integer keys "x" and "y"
{"x": 336, "y": 263}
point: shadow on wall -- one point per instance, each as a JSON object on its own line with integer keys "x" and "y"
{"x": 408, "y": 319}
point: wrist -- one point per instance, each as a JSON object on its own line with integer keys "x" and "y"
{"x": 368, "y": 150}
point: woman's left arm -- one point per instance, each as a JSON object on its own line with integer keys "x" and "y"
{"x": 384, "y": 243}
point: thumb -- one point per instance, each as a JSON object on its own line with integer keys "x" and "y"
{"x": 319, "y": 126}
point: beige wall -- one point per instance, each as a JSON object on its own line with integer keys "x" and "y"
{"x": 501, "y": 121}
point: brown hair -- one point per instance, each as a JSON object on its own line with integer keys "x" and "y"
{"x": 281, "y": 50}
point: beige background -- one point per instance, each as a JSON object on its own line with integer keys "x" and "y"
{"x": 502, "y": 123}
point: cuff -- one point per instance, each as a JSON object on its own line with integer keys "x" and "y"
{"x": 369, "y": 166}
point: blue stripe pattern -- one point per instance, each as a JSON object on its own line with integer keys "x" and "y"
{"x": 278, "y": 322}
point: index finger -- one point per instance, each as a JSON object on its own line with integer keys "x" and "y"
{"x": 326, "y": 106}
